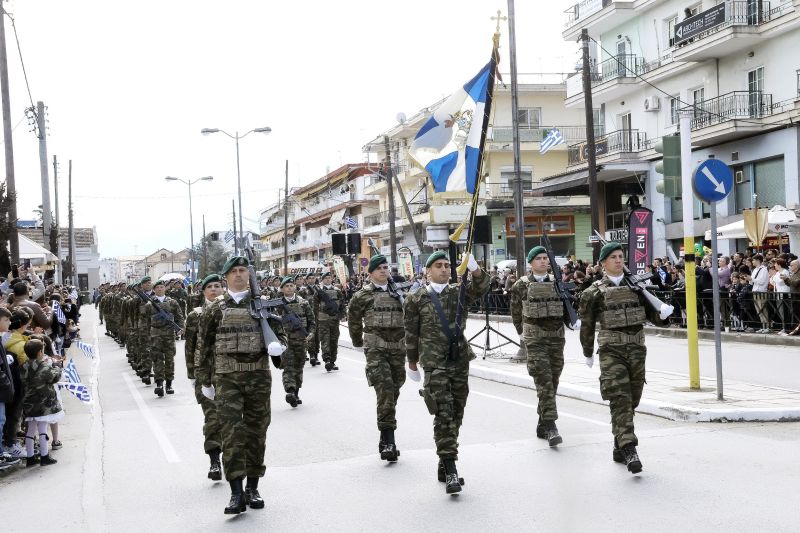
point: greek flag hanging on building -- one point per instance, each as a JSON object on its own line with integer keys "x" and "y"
{"x": 351, "y": 222}
{"x": 71, "y": 372}
{"x": 59, "y": 313}
{"x": 553, "y": 138}
{"x": 449, "y": 144}
{"x": 87, "y": 349}
{"x": 229, "y": 236}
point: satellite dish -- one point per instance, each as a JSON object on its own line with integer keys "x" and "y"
{"x": 401, "y": 117}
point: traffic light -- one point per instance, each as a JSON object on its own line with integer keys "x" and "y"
{"x": 670, "y": 166}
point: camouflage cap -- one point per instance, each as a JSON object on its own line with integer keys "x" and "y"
{"x": 236, "y": 260}
{"x": 536, "y": 250}
{"x": 211, "y": 278}
{"x": 435, "y": 256}
{"x": 287, "y": 279}
{"x": 376, "y": 261}
{"x": 607, "y": 248}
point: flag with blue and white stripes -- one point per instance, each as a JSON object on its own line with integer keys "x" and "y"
{"x": 71, "y": 372}
{"x": 80, "y": 391}
{"x": 229, "y": 235}
{"x": 553, "y": 138}
{"x": 59, "y": 313}
{"x": 86, "y": 348}
{"x": 351, "y": 222}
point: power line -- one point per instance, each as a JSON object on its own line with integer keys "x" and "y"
{"x": 19, "y": 49}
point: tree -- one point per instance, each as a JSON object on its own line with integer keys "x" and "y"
{"x": 216, "y": 256}
{"x": 6, "y": 226}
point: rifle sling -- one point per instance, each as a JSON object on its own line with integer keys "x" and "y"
{"x": 451, "y": 335}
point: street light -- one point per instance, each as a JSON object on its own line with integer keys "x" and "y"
{"x": 265, "y": 130}
{"x": 191, "y": 225}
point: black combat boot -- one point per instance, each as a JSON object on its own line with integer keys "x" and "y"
{"x": 551, "y": 434}
{"x": 328, "y": 366}
{"x": 291, "y": 397}
{"x": 632, "y": 459}
{"x": 146, "y": 379}
{"x": 297, "y": 395}
{"x": 541, "y": 432}
{"x": 440, "y": 474}
{"x": 314, "y": 361}
{"x": 452, "y": 481}
{"x": 388, "y": 449}
{"x": 215, "y": 470}
{"x": 238, "y": 503}
{"x": 251, "y": 495}
{"x": 159, "y": 390}
{"x": 46, "y": 460}
{"x": 170, "y": 390}
{"x": 617, "y": 454}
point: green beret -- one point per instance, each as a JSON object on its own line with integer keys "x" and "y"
{"x": 327, "y": 274}
{"x": 211, "y": 278}
{"x": 145, "y": 279}
{"x": 376, "y": 261}
{"x": 311, "y": 274}
{"x": 536, "y": 250}
{"x": 159, "y": 282}
{"x": 234, "y": 261}
{"x": 298, "y": 276}
{"x": 287, "y": 279}
{"x": 435, "y": 256}
{"x": 607, "y": 248}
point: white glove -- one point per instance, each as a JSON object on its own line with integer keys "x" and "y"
{"x": 577, "y": 325}
{"x": 192, "y": 381}
{"x": 472, "y": 265}
{"x": 413, "y": 375}
{"x": 276, "y": 348}
{"x": 589, "y": 361}
{"x": 666, "y": 311}
{"x": 10, "y": 359}
{"x": 208, "y": 392}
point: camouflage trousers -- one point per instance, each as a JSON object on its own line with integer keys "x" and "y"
{"x": 622, "y": 378}
{"x": 328, "y": 332}
{"x": 143, "y": 362}
{"x": 162, "y": 356}
{"x": 445, "y": 393}
{"x": 386, "y": 373}
{"x": 123, "y": 333}
{"x": 211, "y": 425}
{"x": 243, "y": 408}
{"x": 133, "y": 345}
{"x": 312, "y": 345}
{"x": 545, "y": 363}
{"x": 111, "y": 325}
{"x": 292, "y": 362}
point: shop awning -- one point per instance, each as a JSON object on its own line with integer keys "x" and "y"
{"x": 337, "y": 216}
{"x": 563, "y": 182}
{"x": 779, "y": 220}
{"x": 37, "y": 254}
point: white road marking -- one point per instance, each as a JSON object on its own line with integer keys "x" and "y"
{"x": 93, "y": 495}
{"x": 158, "y": 432}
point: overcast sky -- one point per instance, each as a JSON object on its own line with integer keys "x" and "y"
{"x": 129, "y": 86}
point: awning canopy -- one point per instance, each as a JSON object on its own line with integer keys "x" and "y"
{"x": 779, "y": 220}
{"x": 563, "y": 182}
{"x": 37, "y": 254}
{"x": 337, "y": 216}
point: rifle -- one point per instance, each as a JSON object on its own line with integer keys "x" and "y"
{"x": 636, "y": 283}
{"x": 562, "y": 288}
{"x": 392, "y": 287}
{"x": 259, "y": 310}
{"x": 161, "y": 313}
{"x": 330, "y": 306}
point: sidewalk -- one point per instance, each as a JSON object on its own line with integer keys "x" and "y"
{"x": 666, "y": 394}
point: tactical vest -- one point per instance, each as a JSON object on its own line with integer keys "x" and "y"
{"x": 296, "y": 308}
{"x": 159, "y": 324}
{"x": 333, "y": 293}
{"x": 238, "y": 336}
{"x": 386, "y": 312}
{"x": 622, "y": 308}
{"x": 542, "y": 301}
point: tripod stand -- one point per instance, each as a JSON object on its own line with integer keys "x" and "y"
{"x": 489, "y": 329}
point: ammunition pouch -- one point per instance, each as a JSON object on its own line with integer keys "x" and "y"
{"x": 610, "y": 337}
{"x": 430, "y": 401}
{"x": 531, "y": 329}
{"x": 372, "y": 340}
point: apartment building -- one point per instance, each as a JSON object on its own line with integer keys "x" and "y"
{"x": 730, "y": 64}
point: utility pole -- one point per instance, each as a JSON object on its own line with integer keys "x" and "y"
{"x": 590, "y": 143}
{"x": 41, "y": 133}
{"x": 59, "y": 278}
{"x": 409, "y": 216}
{"x": 519, "y": 206}
{"x": 286, "y": 221}
{"x": 235, "y": 237}
{"x": 11, "y": 188}
{"x": 205, "y": 249}
{"x": 390, "y": 193}
{"x": 73, "y": 263}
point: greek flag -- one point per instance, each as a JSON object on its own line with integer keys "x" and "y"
{"x": 80, "y": 391}
{"x": 553, "y": 138}
{"x": 59, "y": 313}
{"x": 351, "y": 222}
{"x": 449, "y": 144}
{"x": 229, "y": 236}
{"x": 86, "y": 348}
{"x": 71, "y": 372}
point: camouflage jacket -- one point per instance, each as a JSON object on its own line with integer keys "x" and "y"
{"x": 519, "y": 292}
{"x": 190, "y": 334}
{"x": 359, "y": 307}
{"x": 302, "y": 309}
{"x": 38, "y": 378}
{"x": 157, "y": 327}
{"x": 425, "y": 340}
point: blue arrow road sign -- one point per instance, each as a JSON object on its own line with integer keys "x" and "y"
{"x": 713, "y": 180}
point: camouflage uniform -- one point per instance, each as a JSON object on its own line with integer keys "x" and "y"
{"x": 39, "y": 397}
{"x": 445, "y": 385}
{"x": 328, "y": 324}
{"x": 308, "y": 293}
{"x": 231, "y": 354}
{"x": 621, "y": 314}
{"x": 211, "y": 424}
{"x": 294, "y": 358}
{"x": 375, "y": 321}
{"x": 537, "y": 313}
{"x": 145, "y": 362}
{"x": 162, "y": 338}
{"x": 134, "y": 336}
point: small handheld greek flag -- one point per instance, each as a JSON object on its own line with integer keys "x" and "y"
{"x": 351, "y": 222}
{"x": 86, "y": 348}
{"x": 71, "y": 372}
{"x": 59, "y": 313}
{"x": 553, "y": 138}
{"x": 229, "y": 236}
{"x": 80, "y": 391}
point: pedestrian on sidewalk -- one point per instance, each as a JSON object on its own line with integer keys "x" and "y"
{"x": 435, "y": 340}
{"x": 620, "y": 312}
{"x": 7, "y": 390}
{"x": 538, "y": 316}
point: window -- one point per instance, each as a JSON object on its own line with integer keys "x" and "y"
{"x": 598, "y": 116}
{"x": 698, "y": 95}
{"x": 674, "y": 106}
{"x": 163, "y": 257}
{"x": 507, "y": 179}
{"x": 765, "y": 179}
{"x": 627, "y": 132}
{"x": 755, "y": 90}
{"x": 669, "y": 30}
{"x": 529, "y": 117}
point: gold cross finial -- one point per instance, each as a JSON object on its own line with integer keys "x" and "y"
{"x": 498, "y": 18}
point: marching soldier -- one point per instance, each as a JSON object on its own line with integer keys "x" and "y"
{"x": 232, "y": 366}
{"x": 379, "y": 315}
{"x": 211, "y": 287}
{"x": 294, "y": 359}
{"x": 308, "y": 292}
{"x": 621, "y": 313}
{"x": 132, "y": 313}
{"x": 538, "y": 315}
{"x": 330, "y": 302}
{"x": 434, "y": 340}
{"x": 145, "y": 361}
{"x": 162, "y": 337}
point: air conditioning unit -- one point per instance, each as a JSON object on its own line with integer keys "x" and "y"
{"x": 739, "y": 175}
{"x": 652, "y": 103}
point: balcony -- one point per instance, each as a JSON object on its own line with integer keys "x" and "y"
{"x": 616, "y": 142}
{"x": 730, "y": 116}
{"x": 505, "y": 134}
{"x": 382, "y": 217}
{"x": 600, "y": 16}
{"x": 611, "y": 79}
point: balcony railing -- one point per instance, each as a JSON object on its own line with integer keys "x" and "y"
{"x": 611, "y": 143}
{"x": 581, "y": 10}
{"x": 731, "y": 106}
{"x": 570, "y": 133}
{"x": 741, "y": 13}
{"x": 619, "y": 66}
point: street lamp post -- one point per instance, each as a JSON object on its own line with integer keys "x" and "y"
{"x": 191, "y": 223}
{"x": 236, "y": 137}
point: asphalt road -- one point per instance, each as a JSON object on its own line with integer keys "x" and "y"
{"x": 134, "y": 462}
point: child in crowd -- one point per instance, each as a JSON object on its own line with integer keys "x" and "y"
{"x": 40, "y": 403}
{"x": 736, "y": 307}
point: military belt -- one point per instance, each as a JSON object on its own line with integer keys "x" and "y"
{"x": 607, "y": 337}
{"x": 261, "y": 364}
{"x": 373, "y": 341}
{"x": 538, "y": 331}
